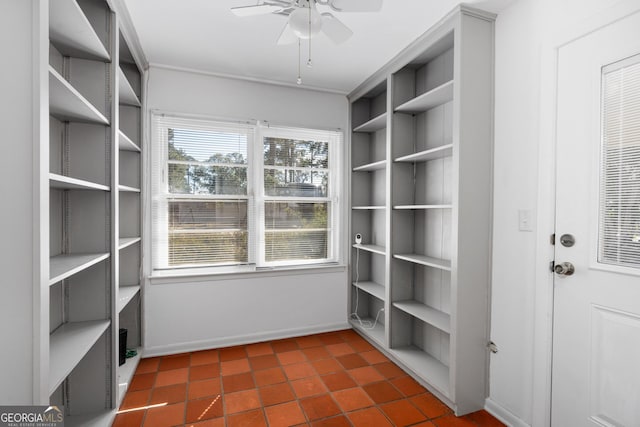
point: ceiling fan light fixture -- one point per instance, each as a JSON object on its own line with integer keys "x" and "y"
{"x": 305, "y": 22}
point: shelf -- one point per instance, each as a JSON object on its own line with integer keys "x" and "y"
{"x": 125, "y": 374}
{"x": 372, "y": 288}
{"x": 435, "y": 318}
{"x": 124, "y": 242}
{"x": 125, "y": 294}
{"x": 68, "y": 105}
{"x": 367, "y": 208}
{"x": 432, "y": 154}
{"x": 68, "y": 345}
{"x": 377, "y": 123}
{"x": 125, "y": 143}
{"x": 442, "y": 264}
{"x": 127, "y": 189}
{"x": 379, "y": 165}
{"x": 377, "y": 333}
{"x": 437, "y": 96}
{"x": 126, "y": 93}
{"x": 371, "y": 248}
{"x": 61, "y": 182}
{"x": 72, "y": 34}
{"x": 418, "y": 207}
{"x": 425, "y": 366}
{"x": 63, "y": 266}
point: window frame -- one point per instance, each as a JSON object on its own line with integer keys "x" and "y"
{"x": 255, "y": 197}
{"x": 161, "y": 197}
{"x": 333, "y": 190}
{"x": 601, "y": 259}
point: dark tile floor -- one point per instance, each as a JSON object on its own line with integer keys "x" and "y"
{"x": 333, "y": 379}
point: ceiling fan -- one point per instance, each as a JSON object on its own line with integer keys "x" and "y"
{"x": 304, "y": 20}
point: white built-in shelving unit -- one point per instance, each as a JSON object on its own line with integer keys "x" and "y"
{"x": 81, "y": 261}
{"x": 127, "y": 207}
{"x": 86, "y": 133}
{"x": 420, "y": 194}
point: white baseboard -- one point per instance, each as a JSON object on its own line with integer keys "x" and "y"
{"x": 503, "y": 414}
{"x": 184, "y": 347}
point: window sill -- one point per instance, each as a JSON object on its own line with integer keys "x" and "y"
{"x": 235, "y": 273}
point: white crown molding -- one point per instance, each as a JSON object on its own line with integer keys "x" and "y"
{"x": 244, "y": 78}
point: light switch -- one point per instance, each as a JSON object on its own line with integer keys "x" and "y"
{"x": 524, "y": 220}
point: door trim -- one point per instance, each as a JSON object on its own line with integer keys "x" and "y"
{"x": 543, "y": 310}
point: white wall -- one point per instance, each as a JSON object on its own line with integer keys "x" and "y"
{"x": 187, "y": 315}
{"x": 525, "y": 32}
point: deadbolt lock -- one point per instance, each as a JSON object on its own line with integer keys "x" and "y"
{"x": 567, "y": 240}
{"x": 564, "y": 269}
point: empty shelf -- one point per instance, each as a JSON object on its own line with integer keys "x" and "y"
{"x": 427, "y": 314}
{"x": 367, "y": 208}
{"x": 371, "y": 166}
{"x": 442, "y": 264}
{"x": 376, "y": 332}
{"x": 63, "y": 266}
{"x": 437, "y": 96}
{"x": 68, "y": 345}
{"x": 371, "y": 248}
{"x": 124, "y": 242}
{"x": 127, "y": 189}
{"x": 418, "y": 207}
{"x": 67, "y": 104}
{"x": 125, "y": 295}
{"x": 431, "y": 154}
{"x": 372, "y": 288}
{"x": 72, "y": 34}
{"x": 125, "y": 91}
{"x": 125, "y": 143}
{"x": 125, "y": 374}
{"x": 377, "y": 123}
{"x": 67, "y": 183}
{"x": 425, "y": 366}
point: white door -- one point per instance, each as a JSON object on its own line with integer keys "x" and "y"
{"x": 596, "y": 331}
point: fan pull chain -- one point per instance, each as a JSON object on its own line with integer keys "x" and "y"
{"x": 299, "y": 81}
{"x": 309, "y": 63}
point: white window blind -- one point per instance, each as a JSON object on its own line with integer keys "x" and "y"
{"x": 619, "y": 228}
{"x": 238, "y": 193}
{"x": 298, "y": 196}
{"x": 201, "y": 205}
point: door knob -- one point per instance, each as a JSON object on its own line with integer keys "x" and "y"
{"x": 564, "y": 269}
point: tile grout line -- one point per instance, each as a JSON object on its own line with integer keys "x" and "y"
{"x": 289, "y": 345}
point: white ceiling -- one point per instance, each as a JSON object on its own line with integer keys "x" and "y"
{"x": 204, "y": 35}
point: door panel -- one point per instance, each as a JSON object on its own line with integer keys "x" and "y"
{"x": 596, "y": 332}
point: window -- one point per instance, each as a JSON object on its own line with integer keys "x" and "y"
{"x": 619, "y": 240}
{"x": 238, "y": 193}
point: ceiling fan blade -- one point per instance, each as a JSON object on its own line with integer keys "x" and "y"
{"x": 355, "y": 5}
{"x": 260, "y": 9}
{"x": 287, "y": 36}
{"x": 334, "y": 29}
